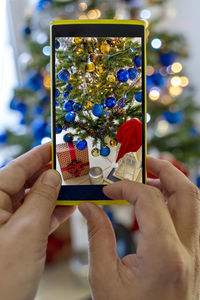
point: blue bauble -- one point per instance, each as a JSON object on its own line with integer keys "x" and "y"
{"x": 58, "y": 128}
{"x": 133, "y": 73}
{"x": 63, "y": 75}
{"x": 69, "y": 86}
{"x": 38, "y": 110}
{"x": 81, "y": 145}
{"x": 27, "y": 30}
{"x": 39, "y": 128}
{"x": 174, "y": 117}
{"x": 35, "y": 82}
{"x": 138, "y": 61}
{"x": 167, "y": 59}
{"x": 57, "y": 105}
{"x": 77, "y": 107}
{"x": 67, "y": 138}
{"x": 57, "y": 44}
{"x": 65, "y": 94}
{"x": 157, "y": 79}
{"x": 122, "y": 75}
{"x": 97, "y": 110}
{"x": 21, "y": 107}
{"x": 70, "y": 116}
{"x": 104, "y": 151}
{"x": 57, "y": 93}
{"x": 42, "y": 4}
{"x": 68, "y": 106}
{"x": 138, "y": 97}
{"x": 3, "y": 138}
{"x": 110, "y": 102}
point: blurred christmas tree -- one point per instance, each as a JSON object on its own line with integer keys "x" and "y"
{"x": 171, "y": 108}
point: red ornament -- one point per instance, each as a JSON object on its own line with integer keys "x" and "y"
{"x": 129, "y": 135}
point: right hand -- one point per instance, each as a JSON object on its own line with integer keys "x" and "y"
{"x": 166, "y": 265}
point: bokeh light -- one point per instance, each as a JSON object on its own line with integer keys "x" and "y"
{"x": 46, "y": 50}
{"x": 175, "y": 81}
{"x": 83, "y": 6}
{"x": 175, "y": 90}
{"x": 148, "y": 117}
{"x": 162, "y": 128}
{"x": 184, "y": 81}
{"x": 150, "y": 70}
{"x": 156, "y": 43}
{"x": 154, "y": 93}
{"x": 176, "y": 67}
{"x": 145, "y": 14}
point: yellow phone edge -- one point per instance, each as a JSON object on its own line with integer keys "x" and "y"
{"x": 101, "y": 21}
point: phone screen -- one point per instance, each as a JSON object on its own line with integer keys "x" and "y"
{"x": 98, "y": 111}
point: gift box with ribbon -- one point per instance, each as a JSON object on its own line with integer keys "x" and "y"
{"x": 73, "y": 162}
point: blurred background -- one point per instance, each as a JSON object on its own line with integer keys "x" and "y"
{"x": 173, "y": 108}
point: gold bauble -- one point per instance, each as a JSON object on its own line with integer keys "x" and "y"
{"x": 111, "y": 78}
{"x": 89, "y": 105}
{"x": 100, "y": 69}
{"x": 113, "y": 143}
{"x": 90, "y": 67}
{"x": 95, "y": 152}
{"x": 78, "y": 40}
{"x": 79, "y": 51}
{"x": 105, "y": 48}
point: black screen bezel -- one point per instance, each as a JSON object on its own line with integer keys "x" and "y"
{"x": 84, "y": 192}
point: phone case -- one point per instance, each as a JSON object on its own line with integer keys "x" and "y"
{"x": 71, "y": 22}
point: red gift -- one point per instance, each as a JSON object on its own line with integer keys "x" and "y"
{"x": 73, "y": 162}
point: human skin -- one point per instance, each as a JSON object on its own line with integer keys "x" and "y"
{"x": 28, "y": 214}
{"x": 166, "y": 264}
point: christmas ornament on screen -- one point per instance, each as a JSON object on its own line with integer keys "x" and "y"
{"x": 68, "y": 86}
{"x": 100, "y": 69}
{"x": 58, "y": 128}
{"x": 138, "y": 97}
{"x": 81, "y": 144}
{"x": 77, "y": 40}
{"x": 95, "y": 152}
{"x": 57, "y": 93}
{"x": 68, "y": 138}
{"x": 122, "y": 75}
{"x": 69, "y": 117}
{"x": 63, "y": 75}
{"x": 57, "y": 44}
{"x": 90, "y": 67}
{"x": 105, "y": 48}
{"x": 97, "y": 110}
{"x": 133, "y": 73}
{"x": 65, "y": 94}
{"x": 89, "y": 105}
{"x": 77, "y": 106}
{"x": 104, "y": 151}
{"x": 138, "y": 61}
{"x": 111, "y": 78}
{"x": 68, "y": 106}
{"x": 110, "y": 102}
{"x": 113, "y": 143}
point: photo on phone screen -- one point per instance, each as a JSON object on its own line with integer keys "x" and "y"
{"x": 98, "y": 109}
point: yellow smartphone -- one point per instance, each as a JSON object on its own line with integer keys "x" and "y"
{"x": 98, "y": 102}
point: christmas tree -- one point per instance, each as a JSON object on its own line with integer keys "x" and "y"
{"x": 105, "y": 78}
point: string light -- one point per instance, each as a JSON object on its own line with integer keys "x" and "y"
{"x": 176, "y": 67}
{"x": 94, "y": 14}
{"x": 83, "y": 6}
{"x": 162, "y": 128}
{"x": 176, "y": 81}
{"x": 148, "y": 117}
{"x": 166, "y": 99}
{"x": 184, "y": 81}
{"x": 47, "y": 82}
{"x": 156, "y": 43}
{"x": 154, "y": 93}
{"x": 150, "y": 70}
{"x": 145, "y": 14}
{"x": 175, "y": 90}
{"x": 46, "y": 50}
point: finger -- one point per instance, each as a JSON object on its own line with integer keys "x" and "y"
{"x": 60, "y": 215}
{"x": 150, "y": 209}
{"x": 183, "y": 199}
{"x": 30, "y": 182}
{"x": 14, "y": 175}
{"x": 39, "y": 204}
{"x": 5, "y": 202}
{"x": 4, "y": 216}
{"x": 102, "y": 242}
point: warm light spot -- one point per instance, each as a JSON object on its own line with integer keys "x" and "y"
{"x": 92, "y": 14}
{"x": 176, "y": 67}
{"x": 150, "y": 70}
{"x": 184, "y": 81}
{"x": 83, "y": 6}
{"x": 176, "y": 81}
{"x": 162, "y": 128}
{"x": 175, "y": 90}
{"x": 47, "y": 82}
{"x": 83, "y": 17}
{"x": 98, "y": 12}
{"x": 166, "y": 99}
{"x": 154, "y": 94}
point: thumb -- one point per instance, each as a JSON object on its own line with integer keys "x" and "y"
{"x": 40, "y": 202}
{"x": 102, "y": 242}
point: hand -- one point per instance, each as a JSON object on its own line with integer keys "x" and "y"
{"x": 166, "y": 265}
{"x": 27, "y": 217}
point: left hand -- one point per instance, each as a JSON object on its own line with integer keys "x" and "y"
{"x": 28, "y": 195}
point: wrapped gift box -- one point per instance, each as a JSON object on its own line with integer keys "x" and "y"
{"x": 73, "y": 162}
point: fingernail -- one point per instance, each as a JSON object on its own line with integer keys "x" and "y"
{"x": 84, "y": 209}
{"x": 51, "y": 178}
